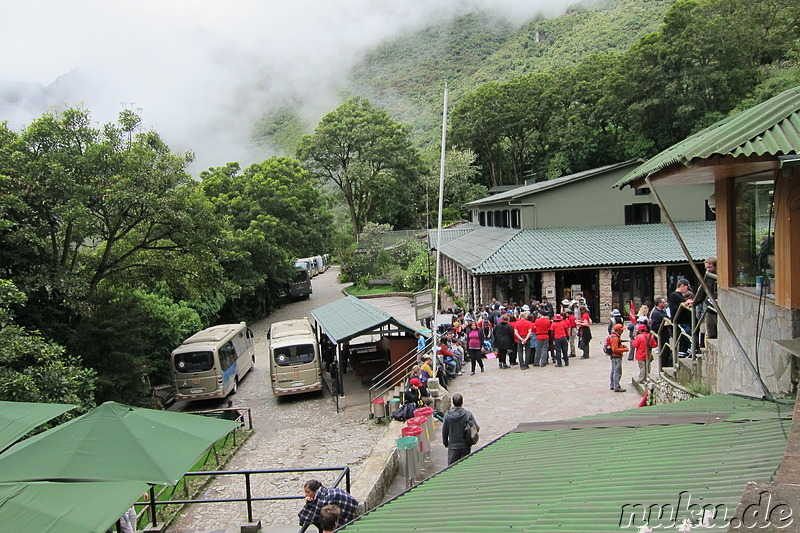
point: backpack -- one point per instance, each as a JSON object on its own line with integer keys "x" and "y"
{"x": 607, "y": 345}
{"x": 471, "y": 432}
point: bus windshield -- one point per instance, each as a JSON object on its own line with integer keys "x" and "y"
{"x": 194, "y": 361}
{"x": 301, "y": 275}
{"x": 294, "y": 355}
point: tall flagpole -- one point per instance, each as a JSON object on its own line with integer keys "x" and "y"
{"x": 439, "y": 231}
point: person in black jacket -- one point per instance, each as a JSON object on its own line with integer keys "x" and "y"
{"x": 504, "y": 340}
{"x": 417, "y": 394}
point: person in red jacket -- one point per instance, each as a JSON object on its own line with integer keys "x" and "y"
{"x": 643, "y": 343}
{"x": 617, "y": 351}
{"x": 541, "y": 328}
{"x": 560, "y": 329}
{"x": 522, "y": 334}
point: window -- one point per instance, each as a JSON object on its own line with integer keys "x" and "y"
{"x": 506, "y": 218}
{"x": 515, "y": 219}
{"x": 294, "y": 355}
{"x": 482, "y": 218}
{"x": 227, "y": 355}
{"x": 498, "y": 218}
{"x": 642, "y": 214}
{"x": 644, "y": 191}
{"x": 194, "y": 362}
{"x": 753, "y": 253}
{"x": 490, "y": 218}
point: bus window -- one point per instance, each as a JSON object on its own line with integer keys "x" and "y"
{"x": 194, "y": 361}
{"x": 295, "y": 355}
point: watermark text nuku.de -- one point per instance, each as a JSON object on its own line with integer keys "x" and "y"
{"x": 673, "y": 515}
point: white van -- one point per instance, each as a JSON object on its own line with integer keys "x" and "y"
{"x": 294, "y": 358}
{"x": 212, "y": 362}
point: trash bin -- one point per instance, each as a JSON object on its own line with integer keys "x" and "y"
{"x": 425, "y": 437}
{"x": 431, "y": 426}
{"x": 393, "y": 405}
{"x": 379, "y": 408}
{"x": 409, "y": 459}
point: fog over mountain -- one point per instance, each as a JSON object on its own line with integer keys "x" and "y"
{"x": 202, "y": 72}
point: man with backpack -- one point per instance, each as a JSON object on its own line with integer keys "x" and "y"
{"x": 616, "y": 350}
{"x": 454, "y": 430}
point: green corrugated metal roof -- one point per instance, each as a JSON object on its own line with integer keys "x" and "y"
{"x": 504, "y": 251}
{"x": 772, "y": 127}
{"x": 350, "y": 317}
{"x": 448, "y": 234}
{"x": 580, "y": 479}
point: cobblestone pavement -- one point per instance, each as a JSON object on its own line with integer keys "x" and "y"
{"x": 304, "y": 432}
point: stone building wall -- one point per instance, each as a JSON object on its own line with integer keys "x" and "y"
{"x": 774, "y": 364}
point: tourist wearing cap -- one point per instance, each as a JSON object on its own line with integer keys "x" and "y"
{"x": 560, "y": 329}
{"x": 417, "y": 394}
{"x": 643, "y": 344}
{"x": 617, "y": 351}
{"x": 572, "y": 336}
{"x": 616, "y": 318}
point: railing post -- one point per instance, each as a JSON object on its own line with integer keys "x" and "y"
{"x": 153, "y": 519}
{"x": 249, "y": 497}
{"x": 347, "y": 478}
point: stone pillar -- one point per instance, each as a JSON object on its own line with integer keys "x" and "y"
{"x": 486, "y": 289}
{"x": 659, "y": 282}
{"x": 549, "y": 281}
{"x": 604, "y": 295}
{"x": 476, "y": 291}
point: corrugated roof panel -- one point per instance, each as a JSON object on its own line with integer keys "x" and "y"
{"x": 350, "y": 317}
{"x": 558, "y": 248}
{"x": 448, "y": 234}
{"x": 771, "y": 127}
{"x": 582, "y": 480}
{"x": 471, "y": 249}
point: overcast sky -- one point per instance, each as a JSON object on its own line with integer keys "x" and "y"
{"x": 201, "y": 71}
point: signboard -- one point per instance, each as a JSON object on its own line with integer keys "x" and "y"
{"x": 576, "y": 288}
{"x": 423, "y": 304}
{"x": 550, "y": 292}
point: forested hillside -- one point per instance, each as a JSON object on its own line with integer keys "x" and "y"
{"x": 406, "y": 76}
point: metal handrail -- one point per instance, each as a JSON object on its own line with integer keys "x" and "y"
{"x": 383, "y": 382}
{"x": 249, "y": 499}
{"x": 677, "y": 332}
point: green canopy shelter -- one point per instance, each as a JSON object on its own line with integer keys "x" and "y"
{"x": 18, "y": 418}
{"x": 115, "y": 442}
{"x": 47, "y": 507}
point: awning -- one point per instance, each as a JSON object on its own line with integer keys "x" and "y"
{"x": 350, "y": 317}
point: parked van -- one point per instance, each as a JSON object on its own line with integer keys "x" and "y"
{"x": 300, "y": 287}
{"x": 326, "y": 261}
{"x": 212, "y": 362}
{"x": 294, "y": 358}
{"x": 309, "y": 264}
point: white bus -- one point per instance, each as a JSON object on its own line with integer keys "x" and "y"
{"x": 212, "y": 362}
{"x": 294, "y": 358}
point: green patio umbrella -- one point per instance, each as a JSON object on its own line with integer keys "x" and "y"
{"x": 46, "y": 507}
{"x": 115, "y": 442}
{"x": 18, "y": 418}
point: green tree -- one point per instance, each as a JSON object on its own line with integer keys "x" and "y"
{"x": 83, "y": 206}
{"x": 461, "y": 185}
{"x": 33, "y": 369}
{"x": 127, "y": 340}
{"x": 274, "y": 213}
{"x": 367, "y": 156}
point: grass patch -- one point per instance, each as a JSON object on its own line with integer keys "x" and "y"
{"x": 698, "y": 388}
{"x": 352, "y": 290}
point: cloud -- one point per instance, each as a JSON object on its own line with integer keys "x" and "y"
{"x": 201, "y": 71}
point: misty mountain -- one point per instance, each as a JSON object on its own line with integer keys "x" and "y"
{"x": 406, "y": 75}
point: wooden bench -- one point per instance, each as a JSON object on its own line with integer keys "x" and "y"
{"x": 377, "y": 282}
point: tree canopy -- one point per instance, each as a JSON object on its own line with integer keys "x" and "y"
{"x": 368, "y": 158}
